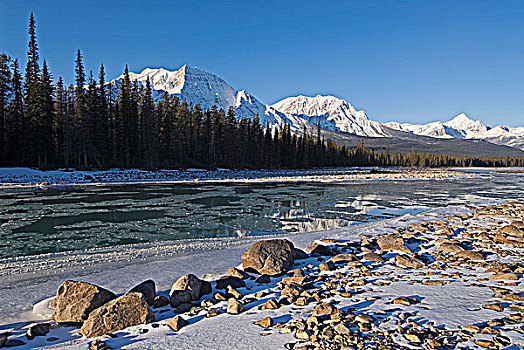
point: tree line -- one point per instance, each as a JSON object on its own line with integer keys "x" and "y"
{"x": 48, "y": 124}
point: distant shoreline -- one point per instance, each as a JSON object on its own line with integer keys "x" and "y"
{"x": 28, "y": 177}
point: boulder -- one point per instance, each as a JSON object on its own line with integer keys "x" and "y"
{"x": 408, "y": 261}
{"x": 343, "y": 258}
{"x": 272, "y": 257}
{"x": 234, "y": 282}
{"x": 148, "y": 290}
{"x": 265, "y": 322}
{"x": 317, "y": 249}
{"x": 188, "y": 288}
{"x": 128, "y": 310}
{"x": 373, "y": 257}
{"x": 76, "y": 300}
{"x": 450, "y": 248}
{"x": 300, "y": 254}
{"x": 392, "y": 242}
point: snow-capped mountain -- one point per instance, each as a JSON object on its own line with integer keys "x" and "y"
{"x": 333, "y": 114}
{"x": 464, "y": 127}
{"x": 198, "y": 86}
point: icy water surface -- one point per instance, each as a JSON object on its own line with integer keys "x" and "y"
{"x": 49, "y": 220}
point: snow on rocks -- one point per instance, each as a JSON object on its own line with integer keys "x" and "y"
{"x": 365, "y": 300}
{"x": 128, "y": 310}
{"x": 272, "y": 257}
{"x": 76, "y": 300}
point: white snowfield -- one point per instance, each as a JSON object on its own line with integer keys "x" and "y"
{"x": 27, "y": 281}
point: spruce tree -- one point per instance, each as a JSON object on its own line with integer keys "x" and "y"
{"x": 32, "y": 101}
{"x": 5, "y": 94}
{"x": 45, "y": 121}
{"x": 16, "y": 126}
{"x": 80, "y": 132}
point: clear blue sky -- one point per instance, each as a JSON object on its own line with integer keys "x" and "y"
{"x": 415, "y": 61}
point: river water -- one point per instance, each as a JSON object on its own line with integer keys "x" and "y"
{"x": 37, "y": 220}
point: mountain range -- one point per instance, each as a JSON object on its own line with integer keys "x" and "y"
{"x": 336, "y": 116}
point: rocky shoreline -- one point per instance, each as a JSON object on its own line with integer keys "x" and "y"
{"x": 453, "y": 282}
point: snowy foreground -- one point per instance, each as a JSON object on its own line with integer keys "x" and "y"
{"x": 470, "y": 300}
{"x": 28, "y": 177}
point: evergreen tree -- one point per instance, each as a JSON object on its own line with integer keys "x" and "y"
{"x": 5, "y": 94}
{"x": 80, "y": 132}
{"x": 16, "y": 126}
{"x": 44, "y": 126}
{"x": 33, "y": 106}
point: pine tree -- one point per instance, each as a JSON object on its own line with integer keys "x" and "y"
{"x": 80, "y": 132}
{"x": 58, "y": 121}
{"x": 148, "y": 121}
{"x": 102, "y": 138}
{"x": 5, "y": 94}
{"x": 32, "y": 101}
{"x": 15, "y": 124}
{"x": 44, "y": 126}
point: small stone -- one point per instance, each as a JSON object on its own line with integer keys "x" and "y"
{"x": 234, "y": 307}
{"x": 317, "y": 249}
{"x": 212, "y": 312}
{"x": 263, "y": 279}
{"x": 11, "y": 343}
{"x": 160, "y": 301}
{"x": 234, "y": 272}
{"x": 406, "y": 300}
{"x": 469, "y": 255}
{"x": 302, "y": 334}
{"x": 99, "y": 345}
{"x": 327, "y": 266}
{"x": 412, "y": 337}
{"x": 234, "y": 293}
{"x": 50, "y": 339}
{"x": 471, "y": 328}
{"x": 364, "y": 318}
{"x": 226, "y": 281}
{"x": 485, "y": 343}
{"x": 496, "y": 307}
{"x": 38, "y": 330}
{"x": 373, "y": 257}
{"x": 408, "y": 261}
{"x": 343, "y": 258}
{"x": 271, "y": 304}
{"x": 177, "y": 323}
{"x": 323, "y": 309}
{"x": 3, "y": 338}
{"x": 265, "y": 322}
{"x": 219, "y": 296}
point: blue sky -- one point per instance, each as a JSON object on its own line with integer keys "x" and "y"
{"x": 414, "y": 61}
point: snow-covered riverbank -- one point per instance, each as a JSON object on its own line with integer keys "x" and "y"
{"x": 27, "y": 177}
{"x": 456, "y": 302}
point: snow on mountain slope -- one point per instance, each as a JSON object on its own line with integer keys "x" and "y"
{"x": 198, "y": 86}
{"x": 465, "y": 128}
{"x": 333, "y": 113}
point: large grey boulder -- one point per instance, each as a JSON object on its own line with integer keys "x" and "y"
{"x": 148, "y": 289}
{"x": 271, "y": 257}
{"x": 188, "y": 288}
{"x": 128, "y": 310}
{"x": 76, "y": 300}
